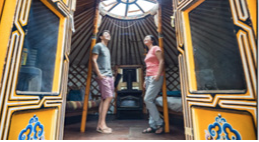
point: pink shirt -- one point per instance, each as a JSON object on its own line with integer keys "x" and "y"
{"x": 152, "y": 63}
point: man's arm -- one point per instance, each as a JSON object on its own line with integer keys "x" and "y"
{"x": 95, "y": 65}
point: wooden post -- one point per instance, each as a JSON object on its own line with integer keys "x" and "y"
{"x": 116, "y": 89}
{"x": 89, "y": 74}
{"x": 160, "y": 40}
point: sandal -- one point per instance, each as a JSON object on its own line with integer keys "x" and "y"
{"x": 159, "y": 128}
{"x": 104, "y": 131}
{"x": 149, "y": 130}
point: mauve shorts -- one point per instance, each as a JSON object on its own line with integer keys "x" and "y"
{"x": 106, "y": 86}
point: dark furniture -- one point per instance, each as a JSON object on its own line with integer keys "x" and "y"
{"x": 129, "y": 101}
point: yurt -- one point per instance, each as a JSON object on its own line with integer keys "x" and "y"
{"x": 128, "y": 70}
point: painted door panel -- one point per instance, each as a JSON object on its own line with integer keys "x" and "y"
{"x": 217, "y": 60}
{"x": 33, "y": 67}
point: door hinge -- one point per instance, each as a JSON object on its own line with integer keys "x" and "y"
{"x": 66, "y": 57}
{"x": 72, "y": 23}
{"x": 188, "y": 131}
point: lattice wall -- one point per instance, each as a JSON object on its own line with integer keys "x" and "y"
{"x": 77, "y": 77}
{"x": 172, "y": 78}
{"x": 77, "y": 80}
{"x": 78, "y": 74}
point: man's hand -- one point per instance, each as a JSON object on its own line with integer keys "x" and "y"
{"x": 101, "y": 77}
{"x": 144, "y": 85}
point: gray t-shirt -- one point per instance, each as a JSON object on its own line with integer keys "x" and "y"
{"x": 104, "y": 59}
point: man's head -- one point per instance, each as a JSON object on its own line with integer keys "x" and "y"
{"x": 105, "y": 35}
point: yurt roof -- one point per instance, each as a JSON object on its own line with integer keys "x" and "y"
{"x": 126, "y": 45}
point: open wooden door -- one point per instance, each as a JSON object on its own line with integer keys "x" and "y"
{"x": 218, "y": 64}
{"x": 35, "y": 44}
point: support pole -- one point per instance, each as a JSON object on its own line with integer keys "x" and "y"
{"x": 160, "y": 40}
{"x": 89, "y": 74}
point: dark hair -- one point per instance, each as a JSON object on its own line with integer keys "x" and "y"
{"x": 153, "y": 39}
{"x": 101, "y": 34}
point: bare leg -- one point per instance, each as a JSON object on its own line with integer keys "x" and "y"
{"x": 102, "y": 115}
{"x": 100, "y": 112}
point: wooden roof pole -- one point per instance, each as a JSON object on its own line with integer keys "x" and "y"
{"x": 89, "y": 73}
{"x": 160, "y": 40}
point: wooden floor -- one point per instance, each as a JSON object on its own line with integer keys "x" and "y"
{"x": 122, "y": 130}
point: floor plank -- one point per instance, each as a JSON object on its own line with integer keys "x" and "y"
{"x": 122, "y": 130}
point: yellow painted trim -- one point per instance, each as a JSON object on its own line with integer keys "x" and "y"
{"x": 57, "y": 72}
{"x": 203, "y": 116}
{"x": 5, "y": 30}
{"x": 189, "y": 52}
{"x": 1, "y": 6}
{"x": 221, "y": 99}
{"x": 252, "y": 6}
{"x": 65, "y": 1}
{"x": 59, "y": 58}
{"x": 48, "y": 123}
{"x": 188, "y": 42}
{"x": 52, "y": 8}
{"x": 25, "y": 13}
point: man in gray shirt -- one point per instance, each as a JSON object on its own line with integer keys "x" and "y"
{"x": 102, "y": 67}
